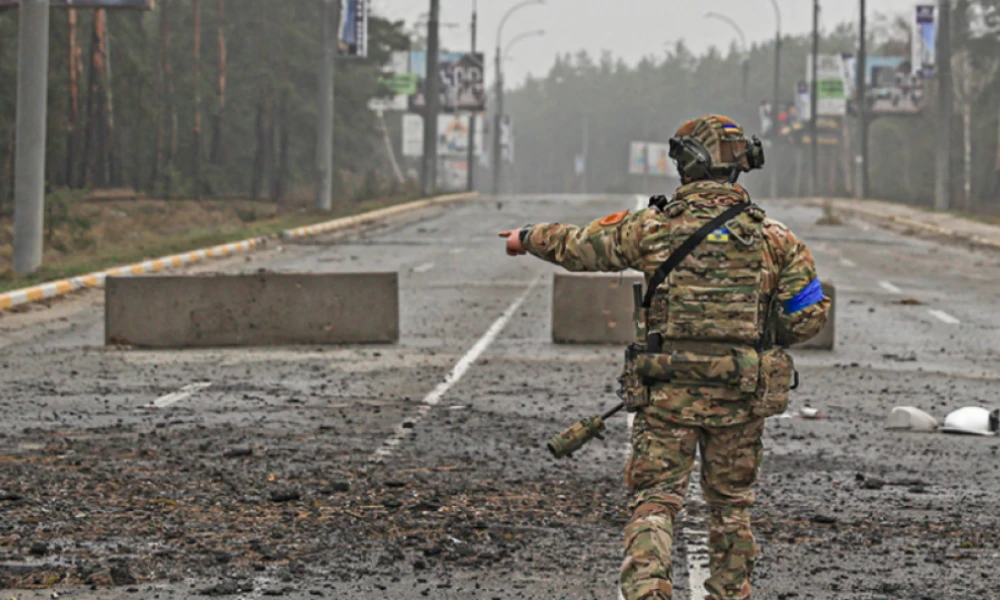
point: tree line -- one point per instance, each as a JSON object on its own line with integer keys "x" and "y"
{"x": 610, "y": 103}
{"x": 196, "y": 98}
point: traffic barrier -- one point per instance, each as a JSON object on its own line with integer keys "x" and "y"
{"x": 260, "y": 309}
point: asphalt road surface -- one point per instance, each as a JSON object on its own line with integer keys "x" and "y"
{"x": 419, "y": 469}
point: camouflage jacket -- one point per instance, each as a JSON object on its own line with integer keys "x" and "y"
{"x": 638, "y": 240}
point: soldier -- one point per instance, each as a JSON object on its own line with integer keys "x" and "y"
{"x": 744, "y": 287}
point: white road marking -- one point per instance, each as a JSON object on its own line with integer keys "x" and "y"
{"x": 943, "y": 316}
{"x": 641, "y": 202}
{"x": 697, "y": 541}
{"x": 423, "y": 268}
{"x": 887, "y": 286}
{"x": 456, "y": 374}
{"x": 180, "y": 395}
{"x": 850, "y": 264}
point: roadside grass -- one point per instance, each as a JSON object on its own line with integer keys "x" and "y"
{"x": 124, "y": 253}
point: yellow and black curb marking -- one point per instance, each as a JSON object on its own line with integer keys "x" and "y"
{"x": 53, "y": 289}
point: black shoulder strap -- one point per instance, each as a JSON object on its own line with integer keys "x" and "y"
{"x": 688, "y": 246}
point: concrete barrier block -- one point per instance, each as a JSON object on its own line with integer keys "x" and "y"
{"x": 262, "y": 309}
{"x": 827, "y": 339}
{"x": 597, "y": 309}
{"x": 592, "y": 309}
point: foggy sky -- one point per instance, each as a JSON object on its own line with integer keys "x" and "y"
{"x": 630, "y": 29}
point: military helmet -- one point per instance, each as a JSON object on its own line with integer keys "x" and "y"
{"x": 714, "y": 147}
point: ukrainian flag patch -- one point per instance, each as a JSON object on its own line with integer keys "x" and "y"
{"x": 719, "y": 236}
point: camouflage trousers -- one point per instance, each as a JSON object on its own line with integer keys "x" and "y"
{"x": 658, "y": 474}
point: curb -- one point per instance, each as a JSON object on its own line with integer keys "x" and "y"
{"x": 62, "y": 287}
{"x": 370, "y": 217}
{"x": 928, "y": 228}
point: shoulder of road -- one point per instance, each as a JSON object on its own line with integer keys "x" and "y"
{"x": 62, "y": 287}
{"x": 910, "y": 219}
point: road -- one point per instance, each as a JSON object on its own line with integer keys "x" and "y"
{"x": 419, "y": 469}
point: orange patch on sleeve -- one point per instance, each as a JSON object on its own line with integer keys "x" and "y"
{"x": 614, "y": 219}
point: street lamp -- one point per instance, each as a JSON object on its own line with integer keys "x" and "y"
{"x": 518, "y": 38}
{"x": 497, "y": 162}
{"x": 775, "y": 104}
{"x": 743, "y": 41}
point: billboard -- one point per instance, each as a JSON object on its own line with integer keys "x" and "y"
{"x": 651, "y": 158}
{"x": 831, "y": 93}
{"x": 461, "y": 77}
{"x": 453, "y": 136}
{"x": 637, "y": 158}
{"x": 352, "y": 30}
{"x": 924, "y": 57}
{"x": 893, "y": 87}
{"x": 132, "y": 4}
{"x": 398, "y": 80}
{"x": 660, "y": 163}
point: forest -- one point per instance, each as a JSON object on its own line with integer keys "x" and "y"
{"x": 610, "y": 103}
{"x": 198, "y": 98}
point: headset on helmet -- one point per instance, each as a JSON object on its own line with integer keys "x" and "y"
{"x": 695, "y": 161}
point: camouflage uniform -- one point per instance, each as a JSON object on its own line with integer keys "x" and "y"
{"x": 724, "y": 421}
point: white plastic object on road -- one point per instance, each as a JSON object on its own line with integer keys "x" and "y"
{"x": 972, "y": 420}
{"x": 910, "y": 418}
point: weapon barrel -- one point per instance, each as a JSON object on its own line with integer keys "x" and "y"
{"x": 576, "y": 437}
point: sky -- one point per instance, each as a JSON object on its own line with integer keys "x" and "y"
{"x": 630, "y": 29}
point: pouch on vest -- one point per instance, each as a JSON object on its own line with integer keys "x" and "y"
{"x": 740, "y": 370}
{"x": 777, "y": 370}
{"x": 633, "y": 391}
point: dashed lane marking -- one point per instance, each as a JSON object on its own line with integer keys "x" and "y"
{"x": 944, "y": 317}
{"x": 424, "y": 267}
{"x": 850, "y": 264}
{"x": 456, "y": 374}
{"x": 887, "y": 286}
{"x": 180, "y": 395}
{"x": 640, "y": 202}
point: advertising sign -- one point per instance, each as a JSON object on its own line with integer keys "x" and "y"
{"x": 660, "y": 163}
{"x": 637, "y": 158}
{"x": 924, "y": 56}
{"x": 352, "y": 31}
{"x": 462, "y": 83}
{"x": 893, "y": 89}
{"x": 452, "y": 139}
{"x": 132, "y": 4}
{"x": 831, "y": 92}
{"x": 396, "y": 78}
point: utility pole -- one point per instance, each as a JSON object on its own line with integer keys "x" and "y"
{"x": 497, "y": 126}
{"x": 431, "y": 99}
{"x": 814, "y": 103}
{"x": 324, "y": 155}
{"x": 470, "y": 183}
{"x": 942, "y": 171}
{"x": 775, "y": 106}
{"x": 861, "y": 104}
{"x": 32, "y": 101}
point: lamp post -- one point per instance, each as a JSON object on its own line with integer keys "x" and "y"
{"x": 519, "y": 38}
{"x": 743, "y": 42}
{"x": 498, "y": 119}
{"x": 470, "y": 176}
{"x": 775, "y": 104}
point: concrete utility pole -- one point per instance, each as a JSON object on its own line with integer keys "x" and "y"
{"x": 324, "y": 154}
{"x": 775, "y": 106}
{"x": 470, "y": 182}
{"x": 431, "y": 99}
{"x": 32, "y": 101}
{"x": 861, "y": 104}
{"x": 946, "y": 109}
{"x": 498, "y": 119}
{"x": 814, "y": 104}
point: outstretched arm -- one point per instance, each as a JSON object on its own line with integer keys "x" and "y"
{"x": 608, "y": 244}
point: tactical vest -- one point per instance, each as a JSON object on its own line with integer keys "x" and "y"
{"x": 715, "y": 298}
